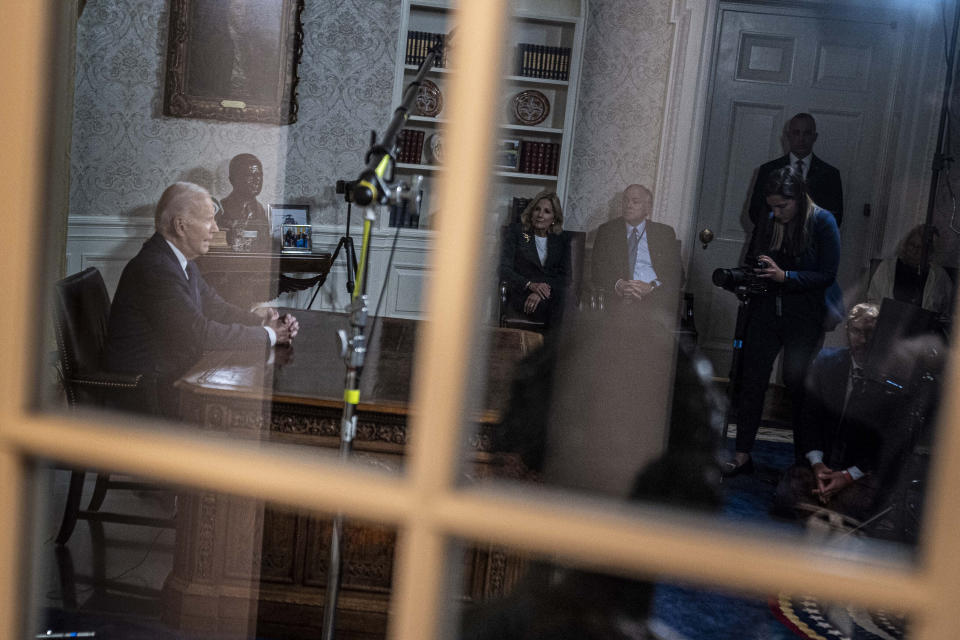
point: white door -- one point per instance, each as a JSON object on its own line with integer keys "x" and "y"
{"x": 769, "y": 66}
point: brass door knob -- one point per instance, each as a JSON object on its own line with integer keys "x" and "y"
{"x": 706, "y": 236}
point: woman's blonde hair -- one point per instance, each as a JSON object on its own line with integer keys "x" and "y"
{"x": 557, "y": 225}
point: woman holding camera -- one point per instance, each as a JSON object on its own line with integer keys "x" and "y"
{"x": 797, "y": 250}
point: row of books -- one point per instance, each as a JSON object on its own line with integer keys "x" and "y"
{"x": 539, "y": 157}
{"x": 535, "y": 157}
{"x": 410, "y": 146}
{"x": 419, "y": 43}
{"x": 539, "y": 61}
{"x": 402, "y": 216}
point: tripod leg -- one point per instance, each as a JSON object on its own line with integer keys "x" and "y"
{"x": 351, "y": 264}
{"x": 736, "y": 364}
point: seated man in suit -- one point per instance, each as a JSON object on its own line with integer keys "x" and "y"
{"x": 823, "y": 180}
{"x": 637, "y": 261}
{"x": 842, "y": 430}
{"x": 164, "y": 315}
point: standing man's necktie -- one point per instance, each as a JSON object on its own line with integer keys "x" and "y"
{"x": 633, "y": 244}
{"x": 800, "y": 168}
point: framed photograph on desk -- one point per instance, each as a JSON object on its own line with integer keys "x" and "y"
{"x": 296, "y": 238}
{"x": 289, "y": 214}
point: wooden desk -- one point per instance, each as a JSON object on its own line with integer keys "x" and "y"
{"x": 247, "y": 278}
{"x": 238, "y": 564}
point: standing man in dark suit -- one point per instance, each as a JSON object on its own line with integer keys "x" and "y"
{"x": 637, "y": 261}
{"x": 164, "y": 315}
{"x": 823, "y": 180}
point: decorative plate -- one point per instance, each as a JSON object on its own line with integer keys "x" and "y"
{"x": 429, "y": 99}
{"x": 530, "y": 107}
{"x": 435, "y": 148}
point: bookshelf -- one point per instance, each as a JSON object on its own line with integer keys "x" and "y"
{"x": 543, "y": 55}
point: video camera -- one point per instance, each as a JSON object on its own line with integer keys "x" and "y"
{"x": 743, "y": 281}
{"x": 345, "y": 188}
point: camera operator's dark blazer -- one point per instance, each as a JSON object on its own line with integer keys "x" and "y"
{"x": 609, "y": 262}
{"x": 160, "y": 322}
{"x": 823, "y": 184}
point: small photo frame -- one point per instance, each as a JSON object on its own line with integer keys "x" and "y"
{"x": 281, "y": 214}
{"x": 508, "y": 154}
{"x": 295, "y": 238}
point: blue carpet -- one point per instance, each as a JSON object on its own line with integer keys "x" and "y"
{"x": 696, "y": 614}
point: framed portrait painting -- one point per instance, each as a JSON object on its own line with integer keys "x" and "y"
{"x": 234, "y": 60}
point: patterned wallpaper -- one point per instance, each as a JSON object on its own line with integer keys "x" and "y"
{"x": 125, "y": 152}
{"x": 626, "y": 62}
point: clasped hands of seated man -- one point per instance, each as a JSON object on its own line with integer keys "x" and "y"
{"x": 285, "y": 326}
{"x": 631, "y": 290}
{"x": 538, "y": 291}
{"x": 830, "y": 482}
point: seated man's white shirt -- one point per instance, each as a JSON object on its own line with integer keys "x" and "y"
{"x": 643, "y": 267}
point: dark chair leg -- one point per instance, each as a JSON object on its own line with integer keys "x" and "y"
{"x": 68, "y": 578}
{"x": 72, "y": 507}
{"x": 99, "y": 492}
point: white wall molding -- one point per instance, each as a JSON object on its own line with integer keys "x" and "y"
{"x": 108, "y": 242}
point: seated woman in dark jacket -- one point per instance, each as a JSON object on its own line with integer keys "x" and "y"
{"x": 535, "y": 260}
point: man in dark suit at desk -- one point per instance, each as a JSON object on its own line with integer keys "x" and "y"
{"x": 164, "y": 315}
{"x": 637, "y": 261}
{"x": 823, "y": 180}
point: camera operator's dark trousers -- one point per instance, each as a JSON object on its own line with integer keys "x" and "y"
{"x": 799, "y": 335}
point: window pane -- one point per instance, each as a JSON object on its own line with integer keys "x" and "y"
{"x": 615, "y": 405}
{"x": 268, "y": 109}
{"x": 552, "y": 600}
{"x": 204, "y": 564}
{"x": 645, "y": 386}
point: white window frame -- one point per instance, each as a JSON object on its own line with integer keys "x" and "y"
{"x": 426, "y": 504}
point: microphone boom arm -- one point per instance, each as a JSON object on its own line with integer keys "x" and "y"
{"x": 370, "y": 187}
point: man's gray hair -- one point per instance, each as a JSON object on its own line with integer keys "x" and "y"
{"x": 179, "y": 198}
{"x": 863, "y": 310}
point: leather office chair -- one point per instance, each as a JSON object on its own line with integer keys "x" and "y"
{"x": 511, "y": 319}
{"x": 82, "y": 309}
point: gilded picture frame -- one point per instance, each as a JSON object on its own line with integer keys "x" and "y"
{"x": 234, "y": 61}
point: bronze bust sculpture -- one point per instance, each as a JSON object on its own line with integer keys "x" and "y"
{"x": 243, "y": 217}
